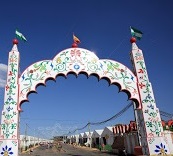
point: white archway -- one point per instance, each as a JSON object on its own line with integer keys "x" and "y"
{"x": 78, "y": 60}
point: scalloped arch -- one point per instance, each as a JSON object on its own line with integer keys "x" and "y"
{"x": 77, "y": 60}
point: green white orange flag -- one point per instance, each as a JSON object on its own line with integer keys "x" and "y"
{"x": 20, "y": 36}
{"x": 75, "y": 39}
{"x": 136, "y": 33}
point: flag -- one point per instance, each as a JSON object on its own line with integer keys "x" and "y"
{"x": 136, "y": 33}
{"x": 20, "y": 35}
{"x": 75, "y": 39}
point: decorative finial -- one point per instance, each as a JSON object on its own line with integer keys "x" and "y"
{"x": 15, "y": 41}
{"x": 74, "y": 45}
{"x": 76, "y": 41}
{"x": 133, "y": 39}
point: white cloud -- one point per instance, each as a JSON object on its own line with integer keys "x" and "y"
{"x": 3, "y": 75}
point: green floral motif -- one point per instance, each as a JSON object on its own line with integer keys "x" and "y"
{"x": 64, "y": 53}
{"x": 61, "y": 66}
{"x": 10, "y": 101}
{"x": 11, "y": 91}
{"x": 112, "y": 67}
{"x": 8, "y": 126}
{"x": 13, "y": 64}
{"x": 36, "y": 74}
{"x": 93, "y": 67}
{"x": 41, "y": 66}
{"x": 8, "y": 129}
{"x": 76, "y": 60}
{"x": 13, "y": 74}
{"x": 9, "y": 116}
{"x": 153, "y": 123}
{"x": 116, "y": 73}
{"x": 142, "y": 64}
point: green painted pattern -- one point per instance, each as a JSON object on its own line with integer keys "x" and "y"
{"x": 76, "y": 60}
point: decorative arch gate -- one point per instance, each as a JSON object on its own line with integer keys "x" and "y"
{"x": 77, "y": 60}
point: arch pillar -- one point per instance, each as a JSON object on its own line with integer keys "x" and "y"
{"x": 10, "y": 115}
{"x": 148, "y": 119}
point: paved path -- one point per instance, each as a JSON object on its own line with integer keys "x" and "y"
{"x": 67, "y": 150}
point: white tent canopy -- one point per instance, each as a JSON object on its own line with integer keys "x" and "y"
{"x": 87, "y": 134}
{"x": 81, "y": 135}
{"x": 106, "y": 131}
{"x": 97, "y": 133}
{"x": 108, "y": 135}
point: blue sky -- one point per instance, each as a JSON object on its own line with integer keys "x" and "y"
{"x": 103, "y": 27}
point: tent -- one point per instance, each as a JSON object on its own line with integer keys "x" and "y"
{"x": 108, "y": 136}
{"x": 96, "y": 138}
{"x": 81, "y": 138}
{"x": 87, "y": 138}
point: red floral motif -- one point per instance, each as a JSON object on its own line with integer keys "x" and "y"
{"x": 10, "y": 73}
{"x": 8, "y": 121}
{"x": 13, "y": 59}
{"x": 139, "y": 58}
{"x": 75, "y": 53}
{"x": 141, "y": 71}
{"x": 150, "y": 135}
{"x": 7, "y": 87}
{"x": 153, "y": 119}
{"x": 135, "y": 91}
{"x": 31, "y": 71}
{"x": 141, "y": 85}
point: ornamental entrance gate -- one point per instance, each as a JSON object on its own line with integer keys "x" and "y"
{"x": 77, "y": 60}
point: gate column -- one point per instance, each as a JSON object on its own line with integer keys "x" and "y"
{"x": 10, "y": 114}
{"x": 148, "y": 117}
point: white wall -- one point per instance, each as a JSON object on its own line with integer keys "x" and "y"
{"x": 169, "y": 138}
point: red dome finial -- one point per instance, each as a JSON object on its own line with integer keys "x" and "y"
{"x": 74, "y": 45}
{"x": 15, "y": 41}
{"x": 133, "y": 39}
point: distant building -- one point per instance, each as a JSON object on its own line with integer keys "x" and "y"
{"x": 58, "y": 138}
{"x": 167, "y": 125}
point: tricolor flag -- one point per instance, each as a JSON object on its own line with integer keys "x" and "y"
{"x": 136, "y": 33}
{"x": 75, "y": 39}
{"x": 20, "y": 36}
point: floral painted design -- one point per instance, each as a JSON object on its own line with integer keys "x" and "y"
{"x": 161, "y": 150}
{"x": 77, "y": 60}
{"x": 6, "y": 151}
{"x": 9, "y": 120}
{"x": 151, "y": 117}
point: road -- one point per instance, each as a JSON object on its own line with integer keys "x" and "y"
{"x": 67, "y": 150}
